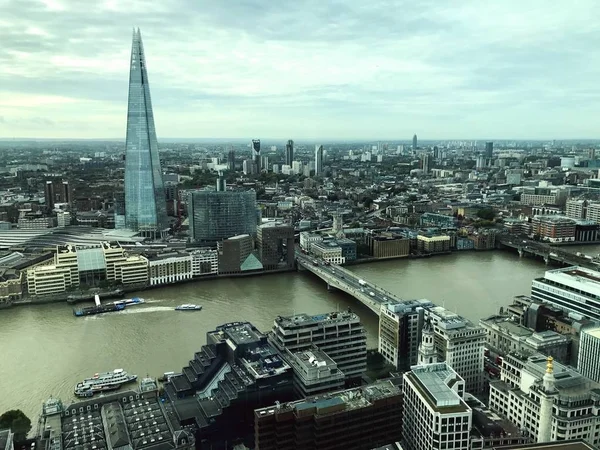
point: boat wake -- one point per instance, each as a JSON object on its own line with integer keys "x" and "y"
{"x": 140, "y": 310}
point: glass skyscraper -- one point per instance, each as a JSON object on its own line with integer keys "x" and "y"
{"x": 217, "y": 215}
{"x": 145, "y": 204}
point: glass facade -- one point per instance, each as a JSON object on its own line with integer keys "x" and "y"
{"x": 220, "y": 215}
{"x": 145, "y": 204}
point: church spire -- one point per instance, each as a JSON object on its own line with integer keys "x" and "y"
{"x": 427, "y": 353}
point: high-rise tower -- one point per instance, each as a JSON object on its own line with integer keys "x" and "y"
{"x": 318, "y": 160}
{"x": 145, "y": 204}
{"x": 414, "y": 144}
{"x": 289, "y": 152}
{"x": 256, "y": 153}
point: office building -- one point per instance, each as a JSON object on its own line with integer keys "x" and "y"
{"x": 339, "y": 334}
{"x": 275, "y": 245}
{"x": 539, "y": 196}
{"x": 249, "y": 167}
{"x": 593, "y": 211}
{"x": 435, "y": 415}
{"x": 314, "y": 372}
{"x": 205, "y": 261}
{"x": 489, "y": 150}
{"x": 547, "y": 400}
{"x": 433, "y": 244}
{"x": 170, "y": 268}
{"x": 236, "y": 372}
{"x": 573, "y": 289}
{"x": 400, "y": 327}
{"x": 588, "y": 359}
{"x": 57, "y": 192}
{"x": 145, "y": 204}
{"x": 256, "y": 154}
{"x": 318, "y": 160}
{"x": 231, "y": 160}
{"x": 414, "y": 142}
{"x": 425, "y": 163}
{"x": 307, "y": 239}
{"x": 359, "y": 418}
{"x": 460, "y": 344}
{"x": 217, "y": 215}
{"x": 289, "y": 152}
{"x": 387, "y": 244}
{"x": 235, "y": 255}
{"x": 330, "y": 251}
{"x": 88, "y": 266}
{"x": 504, "y": 335}
{"x": 576, "y": 209}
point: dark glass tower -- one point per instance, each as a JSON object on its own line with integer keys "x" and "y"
{"x": 145, "y": 204}
{"x": 289, "y": 152}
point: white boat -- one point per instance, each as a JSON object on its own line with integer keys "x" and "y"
{"x": 188, "y": 307}
{"x": 130, "y": 301}
{"x": 106, "y": 381}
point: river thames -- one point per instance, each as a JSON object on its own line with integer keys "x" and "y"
{"x": 45, "y": 350}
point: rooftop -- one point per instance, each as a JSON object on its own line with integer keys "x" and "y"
{"x": 578, "y": 444}
{"x": 593, "y": 331}
{"x": 238, "y": 332}
{"x": 305, "y": 319}
{"x": 433, "y": 381}
{"x": 334, "y": 402}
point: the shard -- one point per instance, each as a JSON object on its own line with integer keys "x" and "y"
{"x": 145, "y": 203}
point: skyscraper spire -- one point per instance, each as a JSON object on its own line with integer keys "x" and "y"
{"x": 145, "y": 203}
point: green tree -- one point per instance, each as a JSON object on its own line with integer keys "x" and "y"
{"x": 18, "y": 422}
{"x": 486, "y": 214}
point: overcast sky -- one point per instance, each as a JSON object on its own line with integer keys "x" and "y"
{"x": 304, "y": 69}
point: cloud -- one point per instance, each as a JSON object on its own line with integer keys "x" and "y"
{"x": 305, "y": 69}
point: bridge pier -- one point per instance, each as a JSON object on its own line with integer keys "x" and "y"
{"x": 546, "y": 259}
{"x": 520, "y": 250}
{"x": 331, "y": 288}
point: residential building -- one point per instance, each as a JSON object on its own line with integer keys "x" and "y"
{"x": 35, "y": 222}
{"x": 400, "y": 327}
{"x": 593, "y": 211}
{"x": 554, "y": 228}
{"x": 433, "y": 244}
{"x": 438, "y": 220}
{"x": 538, "y": 196}
{"x": 205, "y": 261}
{"x": 170, "y": 268}
{"x": 435, "y": 415}
{"x": 314, "y": 372}
{"x": 425, "y": 163}
{"x": 11, "y": 285}
{"x": 340, "y": 335}
{"x": 460, "y": 344}
{"x": 318, "y": 160}
{"x": 275, "y": 245}
{"x": 255, "y": 144}
{"x": 217, "y": 215}
{"x": 546, "y": 399}
{"x": 63, "y": 218}
{"x": 249, "y": 167}
{"x": 588, "y": 359}
{"x": 573, "y": 289}
{"x": 330, "y": 251}
{"x": 360, "y": 418}
{"x": 484, "y": 240}
{"x": 145, "y": 202}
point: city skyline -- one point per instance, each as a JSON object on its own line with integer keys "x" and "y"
{"x": 487, "y": 71}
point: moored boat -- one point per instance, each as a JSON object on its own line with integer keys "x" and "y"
{"x": 102, "y": 382}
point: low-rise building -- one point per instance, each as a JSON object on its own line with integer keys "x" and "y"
{"x": 554, "y": 228}
{"x": 205, "y": 261}
{"x": 329, "y": 251}
{"x": 307, "y": 239}
{"x": 11, "y": 285}
{"x": 170, "y": 268}
{"x": 433, "y": 244}
{"x": 388, "y": 245}
{"x": 438, "y": 220}
{"x": 364, "y": 417}
{"x": 275, "y": 244}
{"x": 435, "y": 416}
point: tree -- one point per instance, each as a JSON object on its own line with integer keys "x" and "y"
{"x": 486, "y": 214}
{"x": 18, "y": 422}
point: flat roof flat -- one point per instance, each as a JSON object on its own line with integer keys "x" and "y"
{"x": 564, "y": 445}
